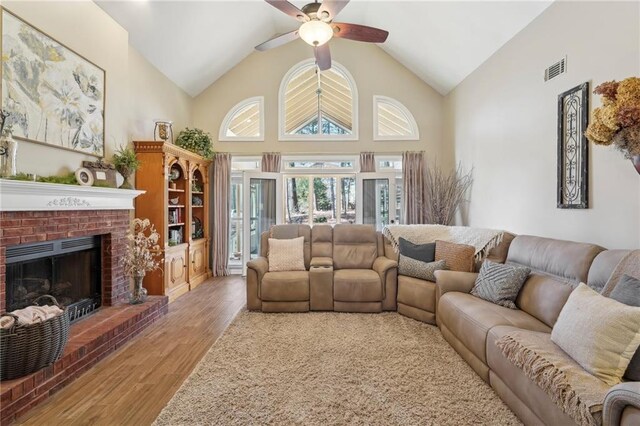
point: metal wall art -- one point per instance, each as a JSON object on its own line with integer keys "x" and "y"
{"x": 573, "y": 148}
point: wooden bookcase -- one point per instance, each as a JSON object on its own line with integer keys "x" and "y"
{"x": 177, "y": 203}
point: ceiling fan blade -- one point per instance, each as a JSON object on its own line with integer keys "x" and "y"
{"x": 330, "y": 8}
{"x": 278, "y": 41}
{"x": 359, "y": 32}
{"x": 289, "y": 9}
{"x": 323, "y": 56}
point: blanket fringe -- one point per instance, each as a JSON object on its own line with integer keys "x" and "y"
{"x": 549, "y": 378}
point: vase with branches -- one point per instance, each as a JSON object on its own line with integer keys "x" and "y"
{"x": 141, "y": 256}
{"x": 445, "y": 193}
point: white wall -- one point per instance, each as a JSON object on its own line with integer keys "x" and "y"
{"x": 502, "y": 121}
{"x": 136, "y": 92}
{"x": 375, "y": 73}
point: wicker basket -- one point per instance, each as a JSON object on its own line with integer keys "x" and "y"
{"x": 28, "y": 348}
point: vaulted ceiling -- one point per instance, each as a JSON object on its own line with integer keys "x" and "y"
{"x": 195, "y": 42}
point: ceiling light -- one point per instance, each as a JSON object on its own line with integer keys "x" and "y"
{"x": 315, "y": 33}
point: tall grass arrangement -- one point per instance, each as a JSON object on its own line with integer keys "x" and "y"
{"x": 445, "y": 193}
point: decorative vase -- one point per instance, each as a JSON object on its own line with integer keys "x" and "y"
{"x": 125, "y": 172}
{"x": 8, "y": 155}
{"x": 636, "y": 162}
{"x": 139, "y": 294}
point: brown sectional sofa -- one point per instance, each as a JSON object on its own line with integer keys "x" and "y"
{"x": 352, "y": 268}
{"x": 472, "y": 326}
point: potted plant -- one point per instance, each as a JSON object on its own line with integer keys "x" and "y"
{"x": 195, "y": 140}
{"x": 140, "y": 257}
{"x": 126, "y": 164}
{"x": 617, "y": 121}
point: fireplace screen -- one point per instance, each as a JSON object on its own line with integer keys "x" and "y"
{"x": 67, "y": 269}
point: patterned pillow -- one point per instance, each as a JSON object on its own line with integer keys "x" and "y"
{"x": 418, "y": 269}
{"x": 459, "y": 257}
{"x": 423, "y": 252}
{"x": 286, "y": 255}
{"x": 500, "y": 284}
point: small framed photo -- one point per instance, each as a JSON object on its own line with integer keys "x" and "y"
{"x": 84, "y": 176}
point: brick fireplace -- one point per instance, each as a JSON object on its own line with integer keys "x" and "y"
{"x": 34, "y": 212}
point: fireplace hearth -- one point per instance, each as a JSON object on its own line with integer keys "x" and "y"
{"x": 68, "y": 269}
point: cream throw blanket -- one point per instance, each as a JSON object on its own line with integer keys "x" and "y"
{"x": 31, "y": 315}
{"x": 570, "y": 387}
{"x": 483, "y": 240}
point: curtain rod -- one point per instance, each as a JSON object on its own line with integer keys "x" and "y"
{"x": 289, "y": 154}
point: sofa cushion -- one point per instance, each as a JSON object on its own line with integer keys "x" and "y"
{"x": 568, "y": 261}
{"x": 470, "y": 319}
{"x": 459, "y": 257}
{"x": 417, "y": 293}
{"x": 500, "y": 284}
{"x": 292, "y": 286}
{"x": 418, "y": 269}
{"x": 354, "y": 246}
{"x": 543, "y": 297}
{"x": 423, "y": 252}
{"x": 286, "y": 255}
{"x": 321, "y": 241}
{"x": 357, "y": 285}
{"x": 600, "y": 333}
{"x": 603, "y": 266}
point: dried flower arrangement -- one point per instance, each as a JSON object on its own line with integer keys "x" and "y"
{"x": 445, "y": 193}
{"x": 617, "y": 121}
{"x": 143, "y": 249}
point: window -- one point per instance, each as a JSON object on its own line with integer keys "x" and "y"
{"x": 392, "y": 121}
{"x": 315, "y": 199}
{"x": 244, "y": 122}
{"x": 318, "y": 105}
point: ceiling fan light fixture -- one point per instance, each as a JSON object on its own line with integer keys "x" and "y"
{"x": 315, "y": 33}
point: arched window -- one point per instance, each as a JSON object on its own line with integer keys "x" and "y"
{"x": 244, "y": 122}
{"x": 393, "y": 121}
{"x": 318, "y": 105}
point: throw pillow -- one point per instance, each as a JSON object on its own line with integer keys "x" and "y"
{"x": 423, "y": 252}
{"x": 418, "y": 269}
{"x": 286, "y": 255}
{"x": 599, "y": 333}
{"x": 459, "y": 257}
{"x": 499, "y": 283}
{"x": 627, "y": 291}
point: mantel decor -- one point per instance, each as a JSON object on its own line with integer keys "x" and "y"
{"x": 617, "y": 121}
{"x": 573, "y": 148}
{"x": 54, "y": 96}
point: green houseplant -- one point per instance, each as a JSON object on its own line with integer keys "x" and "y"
{"x": 126, "y": 164}
{"x": 195, "y": 140}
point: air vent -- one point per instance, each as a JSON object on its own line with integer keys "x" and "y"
{"x": 77, "y": 242}
{"x": 28, "y": 250}
{"x": 556, "y": 69}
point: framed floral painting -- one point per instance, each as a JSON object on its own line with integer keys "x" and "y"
{"x": 50, "y": 94}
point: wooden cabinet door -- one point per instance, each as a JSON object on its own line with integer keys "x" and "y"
{"x": 197, "y": 262}
{"x": 175, "y": 271}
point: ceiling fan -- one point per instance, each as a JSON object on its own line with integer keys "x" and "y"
{"x": 318, "y": 28}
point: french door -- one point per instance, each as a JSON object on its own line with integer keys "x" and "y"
{"x": 376, "y": 199}
{"x": 262, "y": 193}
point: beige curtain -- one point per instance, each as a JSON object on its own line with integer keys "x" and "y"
{"x": 413, "y": 178}
{"x": 271, "y": 162}
{"x": 367, "y": 162}
{"x": 220, "y": 214}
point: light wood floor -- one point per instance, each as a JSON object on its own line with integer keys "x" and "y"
{"x": 131, "y": 386}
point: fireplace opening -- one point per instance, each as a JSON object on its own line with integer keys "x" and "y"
{"x": 69, "y": 270}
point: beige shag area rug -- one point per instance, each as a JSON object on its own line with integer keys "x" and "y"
{"x": 333, "y": 369}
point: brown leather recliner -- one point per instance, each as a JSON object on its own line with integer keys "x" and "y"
{"x": 279, "y": 291}
{"x": 364, "y": 280}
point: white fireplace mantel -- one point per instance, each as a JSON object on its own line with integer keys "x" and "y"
{"x": 16, "y": 195}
